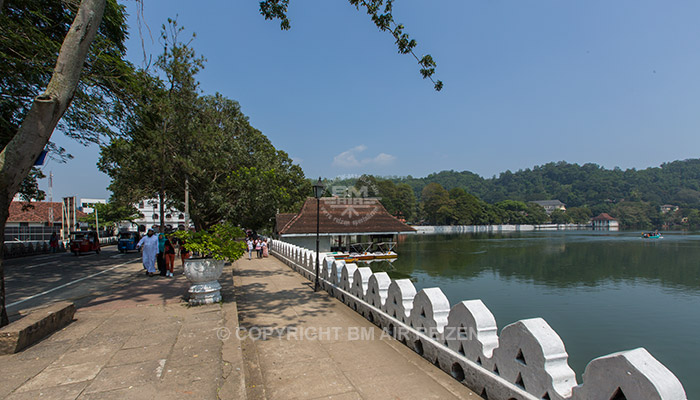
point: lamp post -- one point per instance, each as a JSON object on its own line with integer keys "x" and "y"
{"x": 318, "y": 192}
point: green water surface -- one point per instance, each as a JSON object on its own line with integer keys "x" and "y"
{"x": 602, "y": 292}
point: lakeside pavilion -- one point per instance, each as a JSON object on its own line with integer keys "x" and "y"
{"x": 342, "y": 222}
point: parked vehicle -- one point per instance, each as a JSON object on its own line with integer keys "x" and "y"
{"x": 128, "y": 241}
{"x": 84, "y": 241}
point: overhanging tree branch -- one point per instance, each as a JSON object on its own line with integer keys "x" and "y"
{"x": 18, "y": 156}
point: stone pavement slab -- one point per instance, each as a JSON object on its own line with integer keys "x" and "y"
{"x": 298, "y": 344}
{"x": 140, "y": 340}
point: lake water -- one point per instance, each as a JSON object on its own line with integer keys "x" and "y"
{"x": 602, "y": 292}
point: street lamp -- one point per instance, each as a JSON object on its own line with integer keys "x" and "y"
{"x": 318, "y": 192}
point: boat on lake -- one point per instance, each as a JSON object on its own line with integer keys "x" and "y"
{"x": 652, "y": 235}
{"x": 362, "y": 252}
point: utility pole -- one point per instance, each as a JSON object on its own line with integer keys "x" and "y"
{"x": 161, "y": 195}
{"x": 187, "y": 203}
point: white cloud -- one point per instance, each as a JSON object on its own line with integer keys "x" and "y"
{"x": 349, "y": 158}
{"x": 383, "y": 159}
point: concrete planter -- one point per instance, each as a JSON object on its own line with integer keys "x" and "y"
{"x": 204, "y": 274}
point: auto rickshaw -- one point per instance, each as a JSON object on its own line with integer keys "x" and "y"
{"x": 128, "y": 241}
{"x": 84, "y": 241}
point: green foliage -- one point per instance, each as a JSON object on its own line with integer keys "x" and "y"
{"x": 638, "y": 215}
{"x": 234, "y": 172}
{"x": 111, "y": 214}
{"x": 587, "y": 190}
{"x": 469, "y": 210}
{"x": 560, "y": 217}
{"x": 218, "y": 242}
{"x": 436, "y": 203}
{"x": 380, "y": 11}
{"x": 31, "y": 33}
{"x": 579, "y": 215}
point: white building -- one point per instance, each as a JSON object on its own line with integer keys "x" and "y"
{"x": 605, "y": 221}
{"x": 174, "y": 218}
{"x": 551, "y": 205}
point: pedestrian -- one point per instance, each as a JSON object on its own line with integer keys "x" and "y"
{"x": 184, "y": 253}
{"x": 250, "y": 248}
{"x": 161, "y": 254}
{"x": 264, "y": 248}
{"x": 148, "y": 253}
{"x": 53, "y": 242}
{"x": 258, "y": 247}
{"x": 169, "y": 258}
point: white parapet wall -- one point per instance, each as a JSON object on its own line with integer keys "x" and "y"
{"x": 449, "y": 229}
{"x": 527, "y": 361}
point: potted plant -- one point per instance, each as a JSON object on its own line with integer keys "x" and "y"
{"x": 212, "y": 247}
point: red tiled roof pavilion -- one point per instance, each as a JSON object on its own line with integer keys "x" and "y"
{"x": 344, "y": 216}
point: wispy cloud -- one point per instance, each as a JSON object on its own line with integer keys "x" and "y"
{"x": 349, "y": 158}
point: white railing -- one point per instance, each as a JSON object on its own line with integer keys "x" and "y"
{"x": 448, "y": 229}
{"x": 527, "y": 361}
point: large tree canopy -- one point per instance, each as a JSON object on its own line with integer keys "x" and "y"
{"x": 232, "y": 169}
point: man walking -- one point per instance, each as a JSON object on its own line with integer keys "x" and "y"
{"x": 149, "y": 251}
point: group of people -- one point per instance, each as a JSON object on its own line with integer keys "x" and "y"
{"x": 160, "y": 250}
{"x": 257, "y": 244}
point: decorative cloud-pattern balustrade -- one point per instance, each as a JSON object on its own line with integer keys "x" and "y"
{"x": 528, "y": 360}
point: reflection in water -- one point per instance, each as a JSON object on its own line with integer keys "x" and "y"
{"x": 557, "y": 259}
{"x": 601, "y": 291}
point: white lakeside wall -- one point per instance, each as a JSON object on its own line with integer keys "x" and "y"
{"x": 527, "y": 361}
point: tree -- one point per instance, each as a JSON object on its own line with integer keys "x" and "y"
{"x": 560, "y": 217}
{"x": 233, "y": 170}
{"x": 35, "y": 126}
{"x": 535, "y": 214}
{"x": 433, "y": 197}
{"x": 579, "y": 215}
{"x": 36, "y": 122}
{"x": 380, "y": 12}
{"x": 111, "y": 214}
{"x": 31, "y": 32}
{"x": 405, "y": 201}
{"x": 636, "y": 215}
{"x": 468, "y": 208}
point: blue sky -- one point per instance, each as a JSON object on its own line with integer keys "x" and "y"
{"x": 615, "y": 83}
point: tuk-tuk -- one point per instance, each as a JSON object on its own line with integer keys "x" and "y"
{"x": 128, "y": 241}
{"x": 84, "y": 241}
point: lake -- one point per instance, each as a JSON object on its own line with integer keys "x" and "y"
{"x": 602, "y": 292}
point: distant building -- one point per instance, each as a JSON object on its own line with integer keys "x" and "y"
{"x": 342, "y": 222}
{"x": 550, "y": 205}
{"x": 149, "y": 208}
{"x": 35, "y": 223}
{"x": 667, "y": 208}
{"x": 605, "y": 221}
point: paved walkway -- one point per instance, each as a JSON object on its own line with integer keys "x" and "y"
{"x": 315, "y": 348}
{"x": 140, "y": 341}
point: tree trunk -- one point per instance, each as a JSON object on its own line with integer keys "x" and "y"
{"x": 3, "y": 312}
{"x": 17, "y": 158}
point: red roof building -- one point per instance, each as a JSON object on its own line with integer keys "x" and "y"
{"x": 342, "y": 221}
{"x": 34, "y": 223}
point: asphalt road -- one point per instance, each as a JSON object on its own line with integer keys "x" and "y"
{"x": 37, "y": 280}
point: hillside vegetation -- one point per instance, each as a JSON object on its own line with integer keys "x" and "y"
{"x": 632, "y": 196}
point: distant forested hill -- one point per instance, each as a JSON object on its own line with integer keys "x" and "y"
{"x": 677, "y": 183}
{"x": 634, "y": 197}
